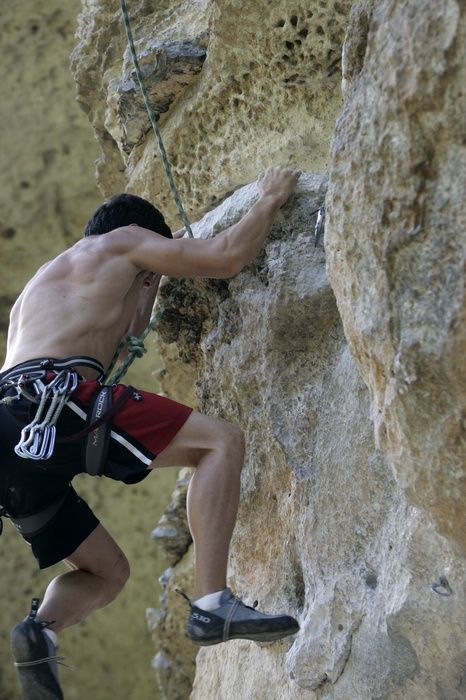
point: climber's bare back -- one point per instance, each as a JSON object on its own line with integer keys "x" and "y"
{"x": 83, "y": 301}
{"x": 80, "y": 303}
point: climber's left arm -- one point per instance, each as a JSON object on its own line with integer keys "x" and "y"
{"x": 147, "y": 295}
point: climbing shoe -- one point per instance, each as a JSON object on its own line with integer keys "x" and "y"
{"x": 235, "y": 620}
{"x": 35, "y": 657}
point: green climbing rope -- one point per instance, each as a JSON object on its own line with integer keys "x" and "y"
{"x": 135, "y": 344}
{"x": 153, "y": 119}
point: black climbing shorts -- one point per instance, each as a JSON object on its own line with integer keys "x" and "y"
{"x": 71, "y": 525}
{"x": 140, "y": 430}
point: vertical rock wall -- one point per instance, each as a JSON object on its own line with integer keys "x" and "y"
{"x": 361, "y": 538}
{"x": 396, "y": 241}
{"x": 324, "y": 530}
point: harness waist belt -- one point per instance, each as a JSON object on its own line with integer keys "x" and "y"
{"x": 29, "y": 379}
{"x": 42, "y": 364}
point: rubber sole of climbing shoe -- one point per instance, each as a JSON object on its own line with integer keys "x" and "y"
{"x": 262, "y": 637}
{"x": 30, "y": 644}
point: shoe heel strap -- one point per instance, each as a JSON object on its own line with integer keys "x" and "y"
{"x": 34, "y": 608}
{"x": 228, "y": 620}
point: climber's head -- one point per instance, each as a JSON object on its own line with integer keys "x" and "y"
{"x": 123, "y": 210}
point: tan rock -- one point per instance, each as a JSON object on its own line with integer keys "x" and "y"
{"x": 396, "y": 243}
{"x": 174, "y": 662}
{"x": 324, "y": 532}
{"x": 268, "y": 93}
{"x": 172, "y": 532}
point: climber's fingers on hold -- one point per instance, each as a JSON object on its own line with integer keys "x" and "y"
{"x": 278, "y": 181}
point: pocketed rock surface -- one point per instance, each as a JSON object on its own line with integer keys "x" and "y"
{"x": 345, "y": 373}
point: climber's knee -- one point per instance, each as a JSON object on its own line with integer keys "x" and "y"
{"x": 198, "y": 436}
{"x": 116, "y": 577}
{"x": 101, "y": 556}
{"x": 232, "y": 444}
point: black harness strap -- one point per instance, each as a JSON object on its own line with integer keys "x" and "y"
{"x": 30, "y": 525}
{"x": 97, "y": 429}
{"x": 95, "y": 449}
{"x": 50, "y": 363}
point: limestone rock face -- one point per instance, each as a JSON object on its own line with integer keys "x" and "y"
{"x": 396, "y": 240}
{"x": 245, "y": 85}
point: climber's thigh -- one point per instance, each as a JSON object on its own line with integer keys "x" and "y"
{"x": 199, "y": 435}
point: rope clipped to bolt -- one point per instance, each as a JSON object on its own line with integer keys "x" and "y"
{"x": 135, "y": 344}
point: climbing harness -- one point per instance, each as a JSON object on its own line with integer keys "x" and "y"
{"x": 34, "y": 523}
{"x": 48, "y": 383}
{"x": 38, "y": 437}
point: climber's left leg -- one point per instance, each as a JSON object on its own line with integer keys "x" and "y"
{"x": 99, "y": 572}
{"x": 216, "y": 450}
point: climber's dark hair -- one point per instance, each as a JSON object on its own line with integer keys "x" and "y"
{"x": 123, "y": 210}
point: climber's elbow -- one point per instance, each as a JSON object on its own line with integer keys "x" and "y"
{"x": 227, "y": 260}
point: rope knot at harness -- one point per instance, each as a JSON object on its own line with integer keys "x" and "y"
{"x": 135, "y": 345}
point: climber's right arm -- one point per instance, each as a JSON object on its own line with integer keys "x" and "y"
{"x": 219, "y": 257}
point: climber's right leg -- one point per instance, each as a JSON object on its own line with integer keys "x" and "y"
{"x": 215, "y": 449}
{"x": 99, "y": 572}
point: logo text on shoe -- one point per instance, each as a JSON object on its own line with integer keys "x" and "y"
{"x": 201, "y": 618}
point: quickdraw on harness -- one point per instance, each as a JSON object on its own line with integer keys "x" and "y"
{"x": 38, "y": 437}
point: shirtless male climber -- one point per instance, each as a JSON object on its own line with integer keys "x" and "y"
{"x": 64, "y": 329}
